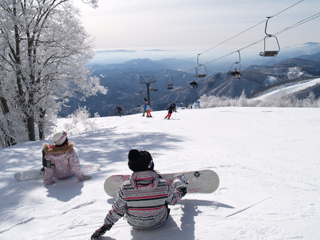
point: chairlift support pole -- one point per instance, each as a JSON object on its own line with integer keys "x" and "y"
{"x": 239, "y": 62}
{"x": 202, "y": 75}
{"x": 265, "y": 28}
{"x": 269, "y": 53}
{"x": 239, "y": 56}
{"x": 147, "y": 80}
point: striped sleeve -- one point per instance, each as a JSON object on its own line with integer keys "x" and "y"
{"x": 174, "y": 196}
{"x": 118, "y": 209}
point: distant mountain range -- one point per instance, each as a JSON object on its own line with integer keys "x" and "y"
{"x": 123, "y": 81}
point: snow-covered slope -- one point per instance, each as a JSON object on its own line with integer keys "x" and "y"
{"x": 267, "y": 160}
{"x": 288, "y": 89}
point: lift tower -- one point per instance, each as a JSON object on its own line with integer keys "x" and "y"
{"x": 147, "y": 80}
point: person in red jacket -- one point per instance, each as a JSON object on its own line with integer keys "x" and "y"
{"x": 144, "y": 198}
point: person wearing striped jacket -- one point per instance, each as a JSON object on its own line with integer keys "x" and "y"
{"x": 144, "y": 198}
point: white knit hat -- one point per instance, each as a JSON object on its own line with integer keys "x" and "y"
{"x": 59, "y": 137}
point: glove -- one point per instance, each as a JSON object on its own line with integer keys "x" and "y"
{"x": 182, "y": 189}
{"x": 101, "y": 231}
{"x": 180, "y": 184}
{"x": 87, "y": 177}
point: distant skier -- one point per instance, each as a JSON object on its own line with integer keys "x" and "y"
{"x": 143, "y": 199}
{"x": 61, "y": 160}
{"x": 119, "y": 110}
{"x": 146, "y": 108}
{"x": 170, "y": 109}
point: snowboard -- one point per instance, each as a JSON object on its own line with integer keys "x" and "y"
{"x": 29, "y": 175}
{"x": 202, "y": 181}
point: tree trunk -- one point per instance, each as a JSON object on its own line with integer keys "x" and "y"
{"x": 9, "y": 140}
{"x": 31, "y": 128}
{"x": 41, "y": 124}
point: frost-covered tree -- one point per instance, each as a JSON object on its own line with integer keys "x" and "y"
{"x": 43, "y": 55}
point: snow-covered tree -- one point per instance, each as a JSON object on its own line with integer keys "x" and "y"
{"x": 43, "y": 55}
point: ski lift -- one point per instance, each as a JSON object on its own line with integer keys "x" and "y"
{"x": 169, "y": 81}
{"x": 154, "y": 89}
{"x": 140, "y": 89}
{"x": 237, "y": 72}
{"x": 194, "y": 84}
{"x": 201, "y": 70}
{"x": 269, "y": 53}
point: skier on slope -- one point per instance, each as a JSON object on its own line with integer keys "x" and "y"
{"x": 61, "y": 160}
{"x": 119, "y": 110}
{"x": 144, "y": 198}
{"x": 146, "y": 108}
{"x": 170, "y": 109}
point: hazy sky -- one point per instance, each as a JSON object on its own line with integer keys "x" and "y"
{"x": 196, "y": 25}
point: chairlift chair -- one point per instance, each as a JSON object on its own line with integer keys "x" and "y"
{"x": 236, "y": 73}
{"x": 203, "y": 73}
{"x": 269, "y": 53}
{"x": 169, "y": 81}
{"x": 201, "y": 70}
{"x": 194, "y": 84}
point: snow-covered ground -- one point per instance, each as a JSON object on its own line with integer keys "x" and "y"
{"x": 267, "y": 160}
{"x": 290, "y": 88}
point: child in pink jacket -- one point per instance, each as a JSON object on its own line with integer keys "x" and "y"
{"x": 62, "y": 158}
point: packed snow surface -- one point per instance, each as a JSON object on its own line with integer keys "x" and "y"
{"x": 267, "y": 160}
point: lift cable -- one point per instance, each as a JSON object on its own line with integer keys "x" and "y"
{"x": 281, "y": 31}
{"x": 287, "y": 8}
{"x": 299, "y": 23}
{"x": 250, "y": 28}
{"x": 189, "y": 59}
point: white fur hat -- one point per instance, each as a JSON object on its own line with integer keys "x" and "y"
{"x": 59, "y": 137}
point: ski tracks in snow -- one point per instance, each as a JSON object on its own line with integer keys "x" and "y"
{"x": 247, "y": 208}
{"x": 79, "y": 206}
{"x": 28, "y": 220}
{"x": 17, "y": 224}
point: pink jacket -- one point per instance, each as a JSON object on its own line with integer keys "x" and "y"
{"x": 64, "y": 163}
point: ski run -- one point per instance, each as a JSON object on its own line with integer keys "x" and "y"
{"x": 267, "y": 160}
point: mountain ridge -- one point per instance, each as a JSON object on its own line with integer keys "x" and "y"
{"x": 125, "y": 86}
